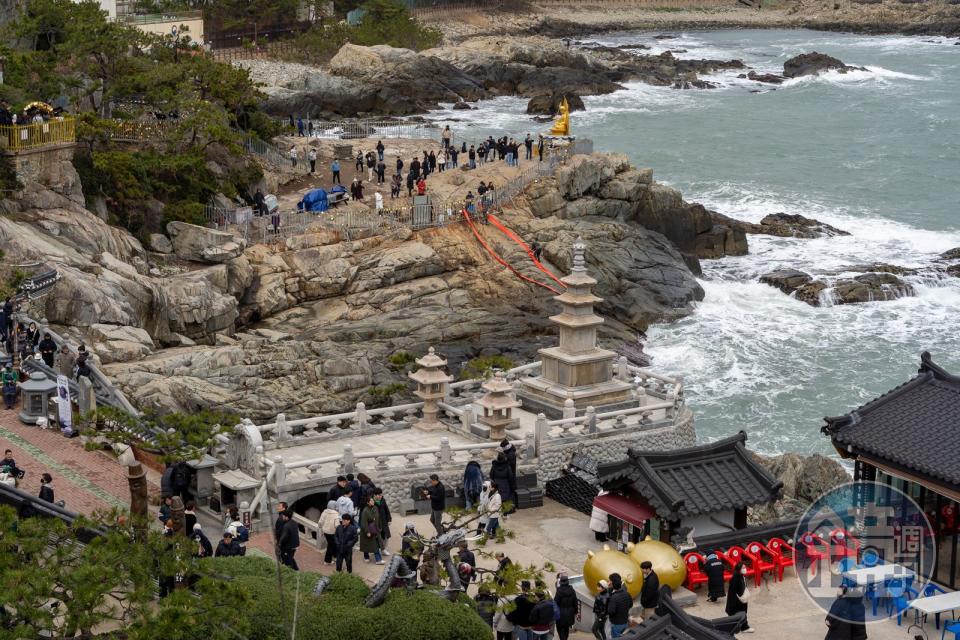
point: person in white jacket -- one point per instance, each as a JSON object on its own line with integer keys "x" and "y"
{"x": 482, "y": 507}
{"x": 345, "y": 504}
{"x": 599, "y": 522}
{"x": 327, "y": 524}
{"x": 493, "y": 508}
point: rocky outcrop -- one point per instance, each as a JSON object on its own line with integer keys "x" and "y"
{"x": 365, "y": 80}
{"x": 784, "y": 225}
{"x": 201, "y": 244}
{"x": 769, "y": 78}
{"x": 607, "y": 186}
{"x": 805, "y": 479}
{"x": 868, "y": 287}
{"x": 811, "y": 64}
{"x": 549, "y": 104}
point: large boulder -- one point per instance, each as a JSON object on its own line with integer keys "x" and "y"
{"x": 811, "y": 64}
{"x": 805, "y": 479}
{"x": 200, "y": 244}
{"x": 871, "y": 287}
{"x": 795, "y": 283}
{"x": 549, "y": 104}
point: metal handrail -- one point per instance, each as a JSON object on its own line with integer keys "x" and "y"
{"x": 21, "y": 137}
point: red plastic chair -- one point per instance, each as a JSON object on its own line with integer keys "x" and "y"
{"x": 736, "y": 554}
{"x": 843, "y": 545}
{"x": 762, "y": 559}
{"x": 813, "y": 554}
{"x": 695, "y": 576}
{"x": 784, "y": 555}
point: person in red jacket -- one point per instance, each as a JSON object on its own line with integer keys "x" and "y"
{"x": 421, "y": 187}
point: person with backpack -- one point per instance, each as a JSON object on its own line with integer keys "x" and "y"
{"x": 568, "y": 605}
{"x": 600, "y": 611}
{"x": 543, "y": 616}
{"x": 713, "y": 566}
{"x": 345, "y": 537}
{"x": 327, "y": 524}
{"x": 239, "y": 532}
{"x": 180, "y": 480}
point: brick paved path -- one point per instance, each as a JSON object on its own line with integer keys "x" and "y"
{"x": 86, "y": 481}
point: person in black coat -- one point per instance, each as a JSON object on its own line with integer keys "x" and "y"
{"x": 278, "y": 525}
{"x": 737, "y": 594}
{"x": 385, "y": 518}
{"x": 509, "y": 450}
{"x": 289, "y": 540}
{"x": 505, "y": 479}
{"x": 486, "y": 604}
{"x": 569, "y": 606}
{"x": 522, "y": 606}
{"x": 47, "y": 349}
{"x": 228, "y": 547}
{"x": 846, "y": 620}
{"x": 618, "y": 606}
{"x": 346, "y": 536}
{"x": 713, "y": 567}
{"x": 411, "y": 546}
{"x": 600, "y": 610}
{"x": 46, "y": 491}
{"x": 204, "y": 546}
{"x": 650, "y": 592}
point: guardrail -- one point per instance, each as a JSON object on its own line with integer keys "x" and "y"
{"x": 23, "y": 137}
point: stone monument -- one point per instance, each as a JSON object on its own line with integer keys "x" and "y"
{"x": 497, "y": 406}
{"x": 576, "y": 369}
{"x": 431, "y": 388}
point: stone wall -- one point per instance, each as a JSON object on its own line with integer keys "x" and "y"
{"x": 396, "y": 483}
{"x": 555, "y": 457}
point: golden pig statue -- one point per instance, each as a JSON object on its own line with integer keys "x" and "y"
{"x": 601, "y": 564}
{"x": 667, "y": 562}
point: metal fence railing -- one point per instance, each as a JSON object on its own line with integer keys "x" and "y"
{"x": 20, "y": 137}
{"x": 359, "y": 129}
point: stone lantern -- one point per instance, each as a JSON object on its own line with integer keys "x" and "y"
{"x": 35, "y": 394}
{"x": 431, "y": 388}
{"x": 497, "y": 406}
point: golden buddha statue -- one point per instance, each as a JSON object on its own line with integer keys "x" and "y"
{"x": 562, "y": 126}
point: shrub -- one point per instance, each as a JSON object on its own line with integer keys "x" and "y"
{"x": 400, "y": 360}
{"x": 483, "y": 367}
{"x": 339, "y": 614}
{"x": 382, "y": 395}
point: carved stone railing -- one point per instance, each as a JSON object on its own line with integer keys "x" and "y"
{"x": 382, "y": 463}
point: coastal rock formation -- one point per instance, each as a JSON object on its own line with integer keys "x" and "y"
{"x": 309, "y": 326}
{"x": 805, "y": 479}
{"x": 783, "y": 225}
{"x": 549, "y": 104}
{"x": 868, "y": 287}
{"x": 607, "y": 186}
{"x": 364, "y": 80}
{"x": 811, "y": 64}
{"x": 769, "y": 78}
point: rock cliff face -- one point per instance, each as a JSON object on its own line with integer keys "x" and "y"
{"x": 805, "y": 479}
{"x": 203, "y": 320}
{"x": 606, "y": 186}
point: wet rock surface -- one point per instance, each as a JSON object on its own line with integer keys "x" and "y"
{"x": 807, "y": 64}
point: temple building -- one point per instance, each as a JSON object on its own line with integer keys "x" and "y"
{"x": 909, "y": 439}
{"x": 576, "y": 369}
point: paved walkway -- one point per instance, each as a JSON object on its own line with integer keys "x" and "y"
{"x": 87, "y": 481}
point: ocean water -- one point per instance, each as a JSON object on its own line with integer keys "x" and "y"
{"x": 875, "y": 153}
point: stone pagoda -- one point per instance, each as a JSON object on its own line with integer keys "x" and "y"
{"x": 497, "y": 407}
{"x": 576, "y": 369}
{"x": 431, "y": 388}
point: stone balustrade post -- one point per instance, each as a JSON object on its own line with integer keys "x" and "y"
{"x": 591, "y": 415}
{"x": 446, "y": 454}
{"x": 640, "y": 395}
{"x": 281, "y": 433}
{"x": 468, "y": 417}
{"x": 279, "y": 473}
{"x": 348, "y": 458}
{"x": 362, "y": 419}
{"x": 540, "y": 430}
{"x": 569, "y": 410}
{"x": 530, "y": 447}
{"x": 622, "y": 373}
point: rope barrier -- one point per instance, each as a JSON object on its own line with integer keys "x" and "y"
{"x": 476, "y": 232}
{"x": 510, "y": 234}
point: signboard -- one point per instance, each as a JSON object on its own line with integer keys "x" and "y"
{"x": 64, "y": 407}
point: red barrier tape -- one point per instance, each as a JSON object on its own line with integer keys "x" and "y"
{"x": 466, "y": 215}
{"x": 499, "y": 225}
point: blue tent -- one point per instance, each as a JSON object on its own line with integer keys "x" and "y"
{"x": 314, "y": 200}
